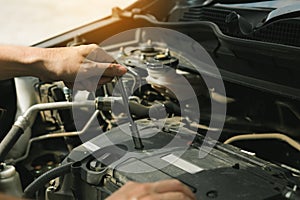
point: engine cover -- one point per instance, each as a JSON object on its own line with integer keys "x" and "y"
{"x": 108, "y": 161}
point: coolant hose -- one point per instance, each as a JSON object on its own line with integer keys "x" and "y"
{"x": 142, "y": 111}
{"x": 40, "y": 182}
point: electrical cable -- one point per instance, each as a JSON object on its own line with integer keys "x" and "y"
{"x": 259, "y": 136}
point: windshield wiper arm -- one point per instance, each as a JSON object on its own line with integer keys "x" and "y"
{"x": 211, "y": 2}
{"x": 289, "y": 11}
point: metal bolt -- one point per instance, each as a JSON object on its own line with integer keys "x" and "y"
{"x": 212, "y": 194}
{"x": 2, "y": 166}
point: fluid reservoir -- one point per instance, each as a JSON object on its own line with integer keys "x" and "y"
{"x": 10, "y": 181}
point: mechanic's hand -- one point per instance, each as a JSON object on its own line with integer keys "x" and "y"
{"x": 86, "y": 66}
{"x": 161, "y": 190}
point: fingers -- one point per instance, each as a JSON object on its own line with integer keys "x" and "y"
{"x": 87, "y": 50}
{"x": 167, "y": 196}
{"x": 96, "y": 69}
{"x": 103, "y": 61}
{"x": 115, "y": 70}
{"x": 86, "y": 66}
{"x": 161, "y": 190}
{"x": 89, "y": 79}
{"x": 171, "y": 186}
{"x": 90, "y": 84}
{"x": 97, "y": 54}
{"x": 93, "y": 61}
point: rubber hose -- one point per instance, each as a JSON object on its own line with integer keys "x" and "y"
{"x": 45, "y": 178}
{"x": 142, "y": 111}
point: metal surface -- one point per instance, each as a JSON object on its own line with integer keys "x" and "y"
{"x": 133, "y": 127}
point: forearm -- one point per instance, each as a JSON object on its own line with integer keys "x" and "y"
{"x": 20, "y": 61}
{"x": 84, "y": 63}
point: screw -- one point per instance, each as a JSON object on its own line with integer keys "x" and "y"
{"x": 212, "y": 194}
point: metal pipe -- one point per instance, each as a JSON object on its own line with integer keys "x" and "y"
{"x": 56, "y": 135}
{"x": 23, "y": 122}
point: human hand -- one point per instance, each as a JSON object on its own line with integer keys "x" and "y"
{"x": 85, "y": 66}
{"x": 8, "y": 197}
{"x": 161, "y": 190}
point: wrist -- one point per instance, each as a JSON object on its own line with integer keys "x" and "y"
{"x": 35, "y": 60}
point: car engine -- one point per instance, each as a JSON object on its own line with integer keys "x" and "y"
{"x": 211, "y": 98}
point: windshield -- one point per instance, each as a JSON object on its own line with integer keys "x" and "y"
{"x": 30, "y": 21}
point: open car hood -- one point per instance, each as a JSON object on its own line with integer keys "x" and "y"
{"x": 251, "y": 50}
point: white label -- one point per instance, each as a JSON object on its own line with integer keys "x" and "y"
{"x": 182, "y": 164}
{"x": 91, "y": 146}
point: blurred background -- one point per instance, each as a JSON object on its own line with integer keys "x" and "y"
{"x": 30, "y": 21}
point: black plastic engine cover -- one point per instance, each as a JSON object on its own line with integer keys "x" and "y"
{"x": 109, "y": 160}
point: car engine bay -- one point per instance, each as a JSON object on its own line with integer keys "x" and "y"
{"x": 211, "y": 98}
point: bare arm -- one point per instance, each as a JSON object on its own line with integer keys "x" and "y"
{"x": 82, "y": 63}
{"x": 18, "y": 61}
